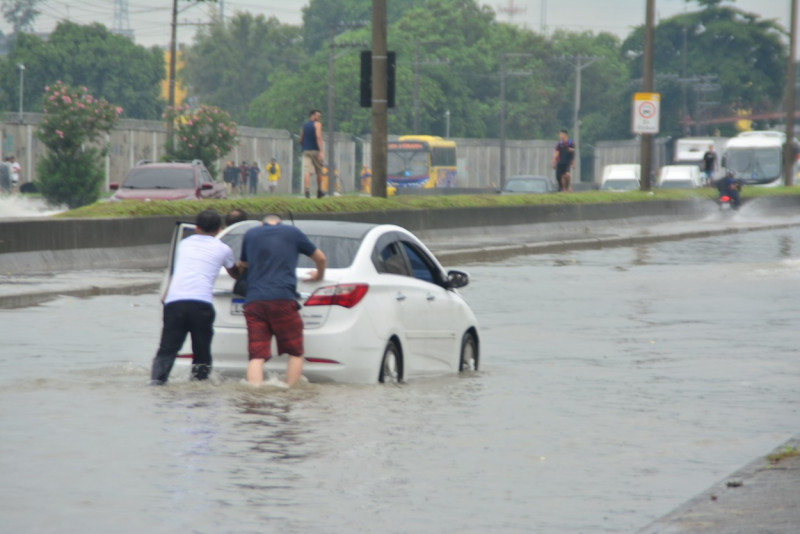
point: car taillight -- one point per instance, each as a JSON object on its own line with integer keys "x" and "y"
{"x": 724, "y": 198}
{"x": 345, "y": 295}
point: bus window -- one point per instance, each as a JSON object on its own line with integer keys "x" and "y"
{"x": 441, "y": 157}
{"x": 402, "y": 163}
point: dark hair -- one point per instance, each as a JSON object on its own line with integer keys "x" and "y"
{"x": 564, "y": 131}
{"x": 234, "y": 216}
{"x": 313, "y": 111}
{"x": 208, "y": 221}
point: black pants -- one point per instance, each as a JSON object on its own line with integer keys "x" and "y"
{"x": 180, "y": 318}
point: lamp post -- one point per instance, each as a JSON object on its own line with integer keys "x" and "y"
{"x": 21, "y": 87}
{"x": 447, "y": 124}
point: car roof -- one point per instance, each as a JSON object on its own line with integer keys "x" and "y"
{"x": 529, "y": 177}
{"x": 354, "y": 230}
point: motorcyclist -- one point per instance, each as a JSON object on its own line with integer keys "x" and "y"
{"x": 729, "y": 186}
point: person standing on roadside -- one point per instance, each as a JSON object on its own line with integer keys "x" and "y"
{"x": 5, "y": 176}
{"x": 366, "y": 179}
{"x": 709, "y": 165}
{"x": 563, "y": 160}
{"x": 188, "y": 302}
{"x": 242, "y": 182}
{"x": 269, "y": 254}
{"x": 16, "y": 169}
{"x": 311, "y": 142}
{"x": 273, "y": 175}
{"x": 253, "y": 172}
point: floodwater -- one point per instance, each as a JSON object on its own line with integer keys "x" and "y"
{"x": 614, "y": 385}
{"x": 16, "y": 206}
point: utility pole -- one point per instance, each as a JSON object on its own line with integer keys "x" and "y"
{"x": 379, "y": 98}
{"x": 331, "y": 149}
{"x": 417, "y": 64}
{"x": 21, "y": 68}
{"x": 173, "y": 46}
{"x": 503, "y": 74}
{"x": 576, "y": 125}
{"x": 647, "y": 87}
{"x": 789, "y": 148}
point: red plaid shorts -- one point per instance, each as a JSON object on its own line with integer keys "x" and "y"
{"x": 279, "y": 318}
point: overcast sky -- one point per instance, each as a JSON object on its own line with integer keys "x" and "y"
{"x": 150, "y": 19}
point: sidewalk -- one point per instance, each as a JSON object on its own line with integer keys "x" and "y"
{"x": 762, "y": 497}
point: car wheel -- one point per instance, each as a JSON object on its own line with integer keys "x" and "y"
{"x": 469, "y": 353}
{"x": 392, "y": 365}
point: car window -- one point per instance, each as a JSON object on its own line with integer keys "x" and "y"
{"x": 420, "y": 265}
{"x": 339, "y": 251}
{"x": 205, "y": 177}
{"x": 390, "y": 260}
{"x": 159, "y": 178}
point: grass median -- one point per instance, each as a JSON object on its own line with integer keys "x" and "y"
{"x": 358, "y": 203}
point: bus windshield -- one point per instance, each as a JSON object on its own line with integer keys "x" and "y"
{"x": 754, "y": 163}
{"x": 406, "y": 163}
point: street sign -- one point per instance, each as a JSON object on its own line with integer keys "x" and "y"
{"x": 646, "y": 108}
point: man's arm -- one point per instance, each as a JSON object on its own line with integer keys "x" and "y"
{"x": 318, "y": 130}
{"x": 320, "y": 261}
{"x": 234, "y": 271}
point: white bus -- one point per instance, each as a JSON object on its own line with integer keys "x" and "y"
{"x": 756, "y": 158}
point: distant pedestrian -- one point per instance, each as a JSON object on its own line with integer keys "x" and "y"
{"x": 273, "y": 175}
{"x": 230, "y": 176}
{"x": 366, "y": 179}
{"x": 563, "y": 161}
{"x": 5, "y": 176}
{"x": 709, "y": 165}
{"x": 188, "y": 301}
{"x": 253, "y": 173}
{"x": 243, "y": 170}
{"x": 269, "y": 253}
{"x": 311, "y": 142}
{"x": 16, "y": 169}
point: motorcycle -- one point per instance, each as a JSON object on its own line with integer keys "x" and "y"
{"x": 729, "y": 189}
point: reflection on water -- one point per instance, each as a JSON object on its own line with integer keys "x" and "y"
{"x": 615, "y": 385}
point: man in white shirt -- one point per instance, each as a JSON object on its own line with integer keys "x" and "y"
{"x": 16, "y": 168}
{"x": 188, "y": 301}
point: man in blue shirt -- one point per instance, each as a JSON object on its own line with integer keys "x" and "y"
{"x": 269, "y": 253}
{"x": 311, "y": 141}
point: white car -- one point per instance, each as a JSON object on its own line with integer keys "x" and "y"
{"x": 385, "y": 311}
{"x": 621, "y": 177}
{"x": 680, "y": 177}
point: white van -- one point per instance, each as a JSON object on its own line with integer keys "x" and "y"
{"x": 621, "y": 177}
{"x": 679, "y": 177}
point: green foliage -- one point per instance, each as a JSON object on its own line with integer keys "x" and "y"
{"x": 205, "y": 133}
{"x": 742, "y": 58}
{"x": 110, "y": 66}
{"x": 231, "y": 64}
{"x": 71, "y": 173}
{"x": 20, "y": 14}
{"x": 351, "y": 204}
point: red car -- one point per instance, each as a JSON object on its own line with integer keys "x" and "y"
{"x": 168, "y": 181}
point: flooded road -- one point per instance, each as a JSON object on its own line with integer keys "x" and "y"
{"x": 615, "y": 384}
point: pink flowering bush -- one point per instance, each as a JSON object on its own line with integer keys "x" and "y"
{"x": 74, "y": 121}
{"x": 206, "y": 133}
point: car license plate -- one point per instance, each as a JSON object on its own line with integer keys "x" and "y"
{"x": 237, "y": 306}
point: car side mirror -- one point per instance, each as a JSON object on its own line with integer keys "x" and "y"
{"x": 456, "y": 279}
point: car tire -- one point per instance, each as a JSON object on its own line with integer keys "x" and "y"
{"x": 469, "y": 353}
{"x": 391, "y": 364}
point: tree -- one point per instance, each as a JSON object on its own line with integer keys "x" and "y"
{"x": 206, "y": 133}
{"x": 110, "y": 66}
{"x": 732, "y": 52}
{"x": 71, "y": 173}
{"x": 231, "y": 64}
{"x": 20, "y": 14}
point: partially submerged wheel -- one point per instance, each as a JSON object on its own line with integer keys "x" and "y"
{"x": 469, "y": 353}
{"x": 391, "y": 365}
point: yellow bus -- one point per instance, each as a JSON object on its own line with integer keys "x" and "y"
{"x": 423, "y": 161}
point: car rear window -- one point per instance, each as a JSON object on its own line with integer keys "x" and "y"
{"x": 339, "y": 251}
{"x": 160, "y": 178}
